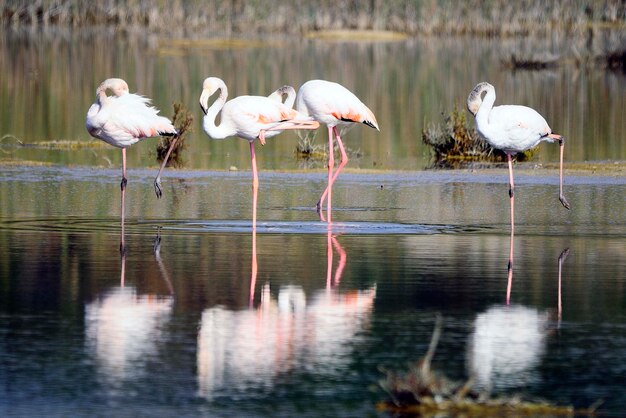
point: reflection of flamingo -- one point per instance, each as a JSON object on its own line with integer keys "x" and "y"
{"x": 123, "y": 329}
{"x": 124, "y": 119}
{"x": 562, "y": 258}
{"x": 332, "y": 104}
{"x": 331, "y": 242}
{"x": 511, "y": 129}
{"x": 506, "y": 346}
{"x": 246, "y": 349}
{"x": 248, "y": 117}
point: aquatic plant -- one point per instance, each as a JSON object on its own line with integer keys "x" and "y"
{"x": 182, "y": 121}
{"x": 423, "y": 392}
{"x": 311, "y": 153}
{"x": 455, "y": 144}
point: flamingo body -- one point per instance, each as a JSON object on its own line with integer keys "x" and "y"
{"x": 332, "y": 104}
{"x": 511, "y": 128}
{"x": 125, "y": 118}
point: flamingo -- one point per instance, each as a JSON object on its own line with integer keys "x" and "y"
{"x": 288, "y": 91}
{"x": 512, "y": 129}
{"x": 124, "y": 119}
{"x": 248, "y": 117}
{"x": 333, "y": 105}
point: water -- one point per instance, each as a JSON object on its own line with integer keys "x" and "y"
{"x": 183, "y": 325}
{"x": 185, "y": 330}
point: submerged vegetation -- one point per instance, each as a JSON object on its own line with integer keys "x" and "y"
{"x": 455, "y": 144}
{"x": 483, "y": 17}
{"x": 182, "y": 121}
{"x": 426, "y": 393}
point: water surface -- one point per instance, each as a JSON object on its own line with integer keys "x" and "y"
{"x": 183, "y": 328}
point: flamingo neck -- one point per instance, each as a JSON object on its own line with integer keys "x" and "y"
{"x": 482, "y": 116}
{"x": 222, "y": 130}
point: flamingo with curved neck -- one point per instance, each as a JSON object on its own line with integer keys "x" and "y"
{"x": 249, "y": 118}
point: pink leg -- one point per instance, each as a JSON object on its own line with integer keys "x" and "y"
{"x": 255, "y": 190}
{"x": 123, "y": 203}
{"x": 344, "y": 161}
{"x": 329, "y": 186}
{"x": 157, "y": 180}
{"x": 512, "y": 201}
{"x": 255, "y": 184}
{"x": 511, "y": 192}
{"x": 562, "y": 199}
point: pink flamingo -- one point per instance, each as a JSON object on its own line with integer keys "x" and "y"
{"x": 512, "y": 129}
{"x": 250, "y": 118}
{"x": 123, "y": 120}
{"x": 332, "y": 104}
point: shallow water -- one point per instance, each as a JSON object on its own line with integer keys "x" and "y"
{"x": 184, "y": 325}
{"x": 186, "y": 328}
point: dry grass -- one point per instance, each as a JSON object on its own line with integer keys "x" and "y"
{"x": 425, "y": 393}
{"x": 484, "y": 17}
{"x": 182, "y": 121}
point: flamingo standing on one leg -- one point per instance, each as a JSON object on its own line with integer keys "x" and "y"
{"x": 248, "y": 117}
{"x": 332, "y": 104}
{"x": 122, "y": 120}
{"x": 512, "y": 129}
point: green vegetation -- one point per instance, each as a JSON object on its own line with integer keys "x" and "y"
{"x": 182, "y": 121}
{"x": 484, "y": 17}
{"x": 455, "y": 144}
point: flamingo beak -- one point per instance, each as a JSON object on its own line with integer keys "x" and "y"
{"x": 204, "y": 99}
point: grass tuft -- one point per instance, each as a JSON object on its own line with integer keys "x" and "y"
{"x": 182, "y": 121}
{"x": 454, "y": 144}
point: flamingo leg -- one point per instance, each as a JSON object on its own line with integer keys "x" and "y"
{"x": 344, "y": 161}
{"x": 124, "y": 179}
{"x": 329, "y": 187}
{"x": 123, "y": 204}
{"x": 562, "y": 199}
{"x": 255, "y": 184}
{"x": 511, "y": 191}
{"x": 157, "y": 180}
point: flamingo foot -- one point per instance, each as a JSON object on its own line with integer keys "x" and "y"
{"x": 156, "y": 247}
{"x": 564, "y": 202}
{"x": 157, "y": 188}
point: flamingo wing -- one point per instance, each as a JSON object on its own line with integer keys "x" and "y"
{"x": 251, "y": 114}
{"x": 332, "y": 104}
{"x": 124, "y": 120}
{"x": 522, "y": 126}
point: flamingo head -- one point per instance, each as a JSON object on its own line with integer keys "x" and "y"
{"x": 475, "y": 98}
{"x": 209, "y": 86}
{"x": 118, "y": 86}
